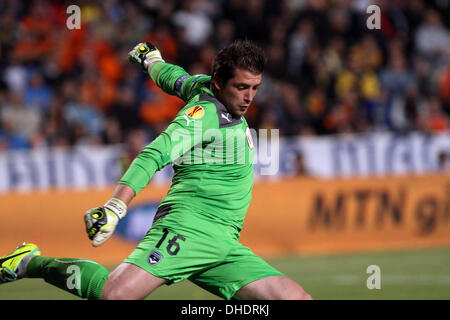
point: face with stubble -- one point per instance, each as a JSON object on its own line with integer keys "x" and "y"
{"x": 238, "y": 92}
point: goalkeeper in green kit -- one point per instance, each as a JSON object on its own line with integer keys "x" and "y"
{"x": 196, "y": 228}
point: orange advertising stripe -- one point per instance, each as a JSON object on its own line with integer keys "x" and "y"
{"x": 296, "y": 216}
{"x": 312, "y": 216}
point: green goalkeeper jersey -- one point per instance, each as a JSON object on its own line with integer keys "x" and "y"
{"x": 211, "y": 151}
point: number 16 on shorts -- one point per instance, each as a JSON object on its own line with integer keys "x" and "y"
{"x": 172, "y": 247}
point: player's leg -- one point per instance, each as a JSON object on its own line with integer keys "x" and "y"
{"x": 244, "y": 275}
{"x": 84, "y": 278}
{"x": 81, "y": 277}
{"x": 273, "y": 288}
{"x": 130, "y": 282}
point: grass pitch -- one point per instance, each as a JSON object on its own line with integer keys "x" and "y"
{"x": 408, "y": 275}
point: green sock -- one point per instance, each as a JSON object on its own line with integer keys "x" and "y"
{"x": 83, "y": 278}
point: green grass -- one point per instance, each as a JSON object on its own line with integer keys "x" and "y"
{"x": 404, "y": 275}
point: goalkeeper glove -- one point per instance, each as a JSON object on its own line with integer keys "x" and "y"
{"x": 102, "y": 221}
{"x": 146, "y": 55}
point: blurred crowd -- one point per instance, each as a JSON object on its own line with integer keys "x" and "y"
{"x": 327, "y": 72}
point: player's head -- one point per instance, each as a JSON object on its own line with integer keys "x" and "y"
{"x": 236, "y": 75}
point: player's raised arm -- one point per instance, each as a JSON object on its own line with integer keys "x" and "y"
{"x": 101, "y": 221}
{"x": 172, "y": 79}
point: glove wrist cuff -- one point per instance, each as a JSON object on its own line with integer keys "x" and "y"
{"x": 117, "y": 206}
{"x": 149, "y": 62}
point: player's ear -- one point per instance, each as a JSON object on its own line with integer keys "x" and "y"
{"x": 216, "y": 82}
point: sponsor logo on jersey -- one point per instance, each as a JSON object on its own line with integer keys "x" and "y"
{"x": 154, "y": 258}
{"x": 226, "y": 116}
{"x": 188, "y": 120}
{"x": 195, "y": 112}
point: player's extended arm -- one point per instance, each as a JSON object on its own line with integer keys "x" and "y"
{"x": 172, "y": 79}
{"x": 174, "y": 142}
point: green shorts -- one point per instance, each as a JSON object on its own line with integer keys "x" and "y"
{"x": 183, "y": 245}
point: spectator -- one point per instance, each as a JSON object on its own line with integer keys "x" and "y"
{"x": 21, "y": 121}
{"x": 225, "y": 33}
{"x": 434, "y": 119}
{"x": 403, "y": 112}
{"x": 444, "y": 88}
{"x": 355, "y": 76}
{"x": 159, "y": 108}
{"x": 55, "y": 128}
{"x": 299, "y": 42}
{"x": 432, "y": 39}
{"x": 396, "y": 77}
{"x": 84, "y": 117}
{"x": 15, "y": 74}
{"x": 125, "y": 109}
{"x": 443, "y": 162}
{"x": 300, "y": 168}
{"x": 37, "y": 93}
{"x": 290, "y": 113}
{"x": 196, "y": 24}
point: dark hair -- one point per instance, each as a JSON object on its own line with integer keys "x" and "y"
{"x": 241, "y": 54}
